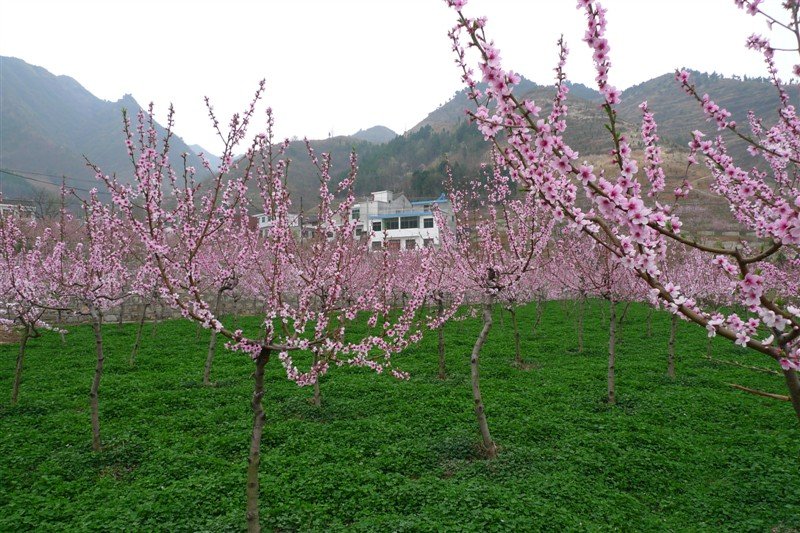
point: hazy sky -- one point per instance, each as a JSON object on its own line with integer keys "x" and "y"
{"x": 335, "y": 66}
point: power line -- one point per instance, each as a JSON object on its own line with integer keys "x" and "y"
{"x": 11, "y": 170}
{"x": 13, "y": 173}
{"x": 5, "y": 199}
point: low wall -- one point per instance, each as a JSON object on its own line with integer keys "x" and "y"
{"x": 130, "y": 310}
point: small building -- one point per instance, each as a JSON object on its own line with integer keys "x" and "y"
{"x": 22, "y": 209}
{"x": 394, "y": 221}
{"x": 265, "y": 222}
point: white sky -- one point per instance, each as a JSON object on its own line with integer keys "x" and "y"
{"x": 335, "y": 66}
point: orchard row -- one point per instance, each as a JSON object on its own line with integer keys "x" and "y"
{"x": 540, "y": 223}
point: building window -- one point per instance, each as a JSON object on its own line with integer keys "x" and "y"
{"x": 391, "y": 223}
{"x": 376, "y": 245}
{"x": 411, "y": 244}
{"x": 393, "y": 244}
{"x": 427, "y": 243}
{"x": 359, "y": 231}
{"x": 409, "y": 222}
{"x": 427, "y": 222}
{"x": 355, "y": 214}
{"x": 376, "y": 225}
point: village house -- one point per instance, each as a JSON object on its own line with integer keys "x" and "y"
{"x": 394, "y": 221}
{"x": 22, "y": 209}
{"x": 265, "y": 222}
{"x": 385, "y": 218}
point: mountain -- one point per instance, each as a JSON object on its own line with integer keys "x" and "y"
{"x": 678, "y": 114}
{"x": 375, "y": 134}
{"x": 579, "y": 90}
{"x": 215, "y": 160}
{"x": 448, "y": 115}
{"x": 14, "y": 187}
{"x": 415, "y": 162}
{"x": 303, "y": 177}
{"x": 49, "y": 123}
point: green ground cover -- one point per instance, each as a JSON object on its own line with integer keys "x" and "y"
{"x": 388, "y": 455}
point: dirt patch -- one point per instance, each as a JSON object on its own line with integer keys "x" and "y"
{"x": 527, "y": 367}
{"x": 8, "y": 336}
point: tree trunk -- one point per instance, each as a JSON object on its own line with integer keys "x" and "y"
{"x": 440, "y": 334}
{"x": 94, "y": 393}
{"x": 235, "y": 312}
{"x": 621, "y": 320}
{"x": 317, "y": 393}
{"x": 502, "y": 318}
{"x": 581, "y": 302}
{"x": 121, "y": 313}
{"x": 442, "y": 362}
{"x": 793, "y": 384}
{"x": 650, "y": 322}
{"x": 488, "y": 444}
{"x": 212, "y": 347}
{"x": 254, "y": 458}
{"x": 156, "y": 316}
{"x": 20, "y": 358}
{"x": 212, "y": 344}
{"x": 61, "y": 328}
{"x": 612, "y": 347}
{"x": 624, "y": 314}
{"x": 138, "y": 335}
{"x": 671, "y": 361}
{"x": 539, "y": 311}
{"x": 566, "y": 308}
{"x": 517, "y": 355}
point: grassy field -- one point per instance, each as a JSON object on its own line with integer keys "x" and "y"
{"x": 387, "y": 455}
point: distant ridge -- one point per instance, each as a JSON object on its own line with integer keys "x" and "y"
{"x": 48, "y": 124}
{"x": 215, "y": 160}
{"x": 375, "y": 134}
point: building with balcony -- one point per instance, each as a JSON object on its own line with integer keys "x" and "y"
{"x": 394, "y": 221}
{"x": 265, "y": 222}
{"x": 21, "y": 209}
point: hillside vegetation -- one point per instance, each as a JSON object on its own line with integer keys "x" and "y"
{"x": 49, "y": 123}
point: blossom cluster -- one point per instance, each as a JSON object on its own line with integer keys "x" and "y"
{"x": 636, "y": 226}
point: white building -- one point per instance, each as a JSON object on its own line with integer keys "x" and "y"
{"x": 21, "y": 210}
{"x": 265, "y": 222}
{"x": 392, "y": 220}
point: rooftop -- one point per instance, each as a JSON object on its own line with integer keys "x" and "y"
{"x": 440, "y": 200}
{"x": 403, "y": 214}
